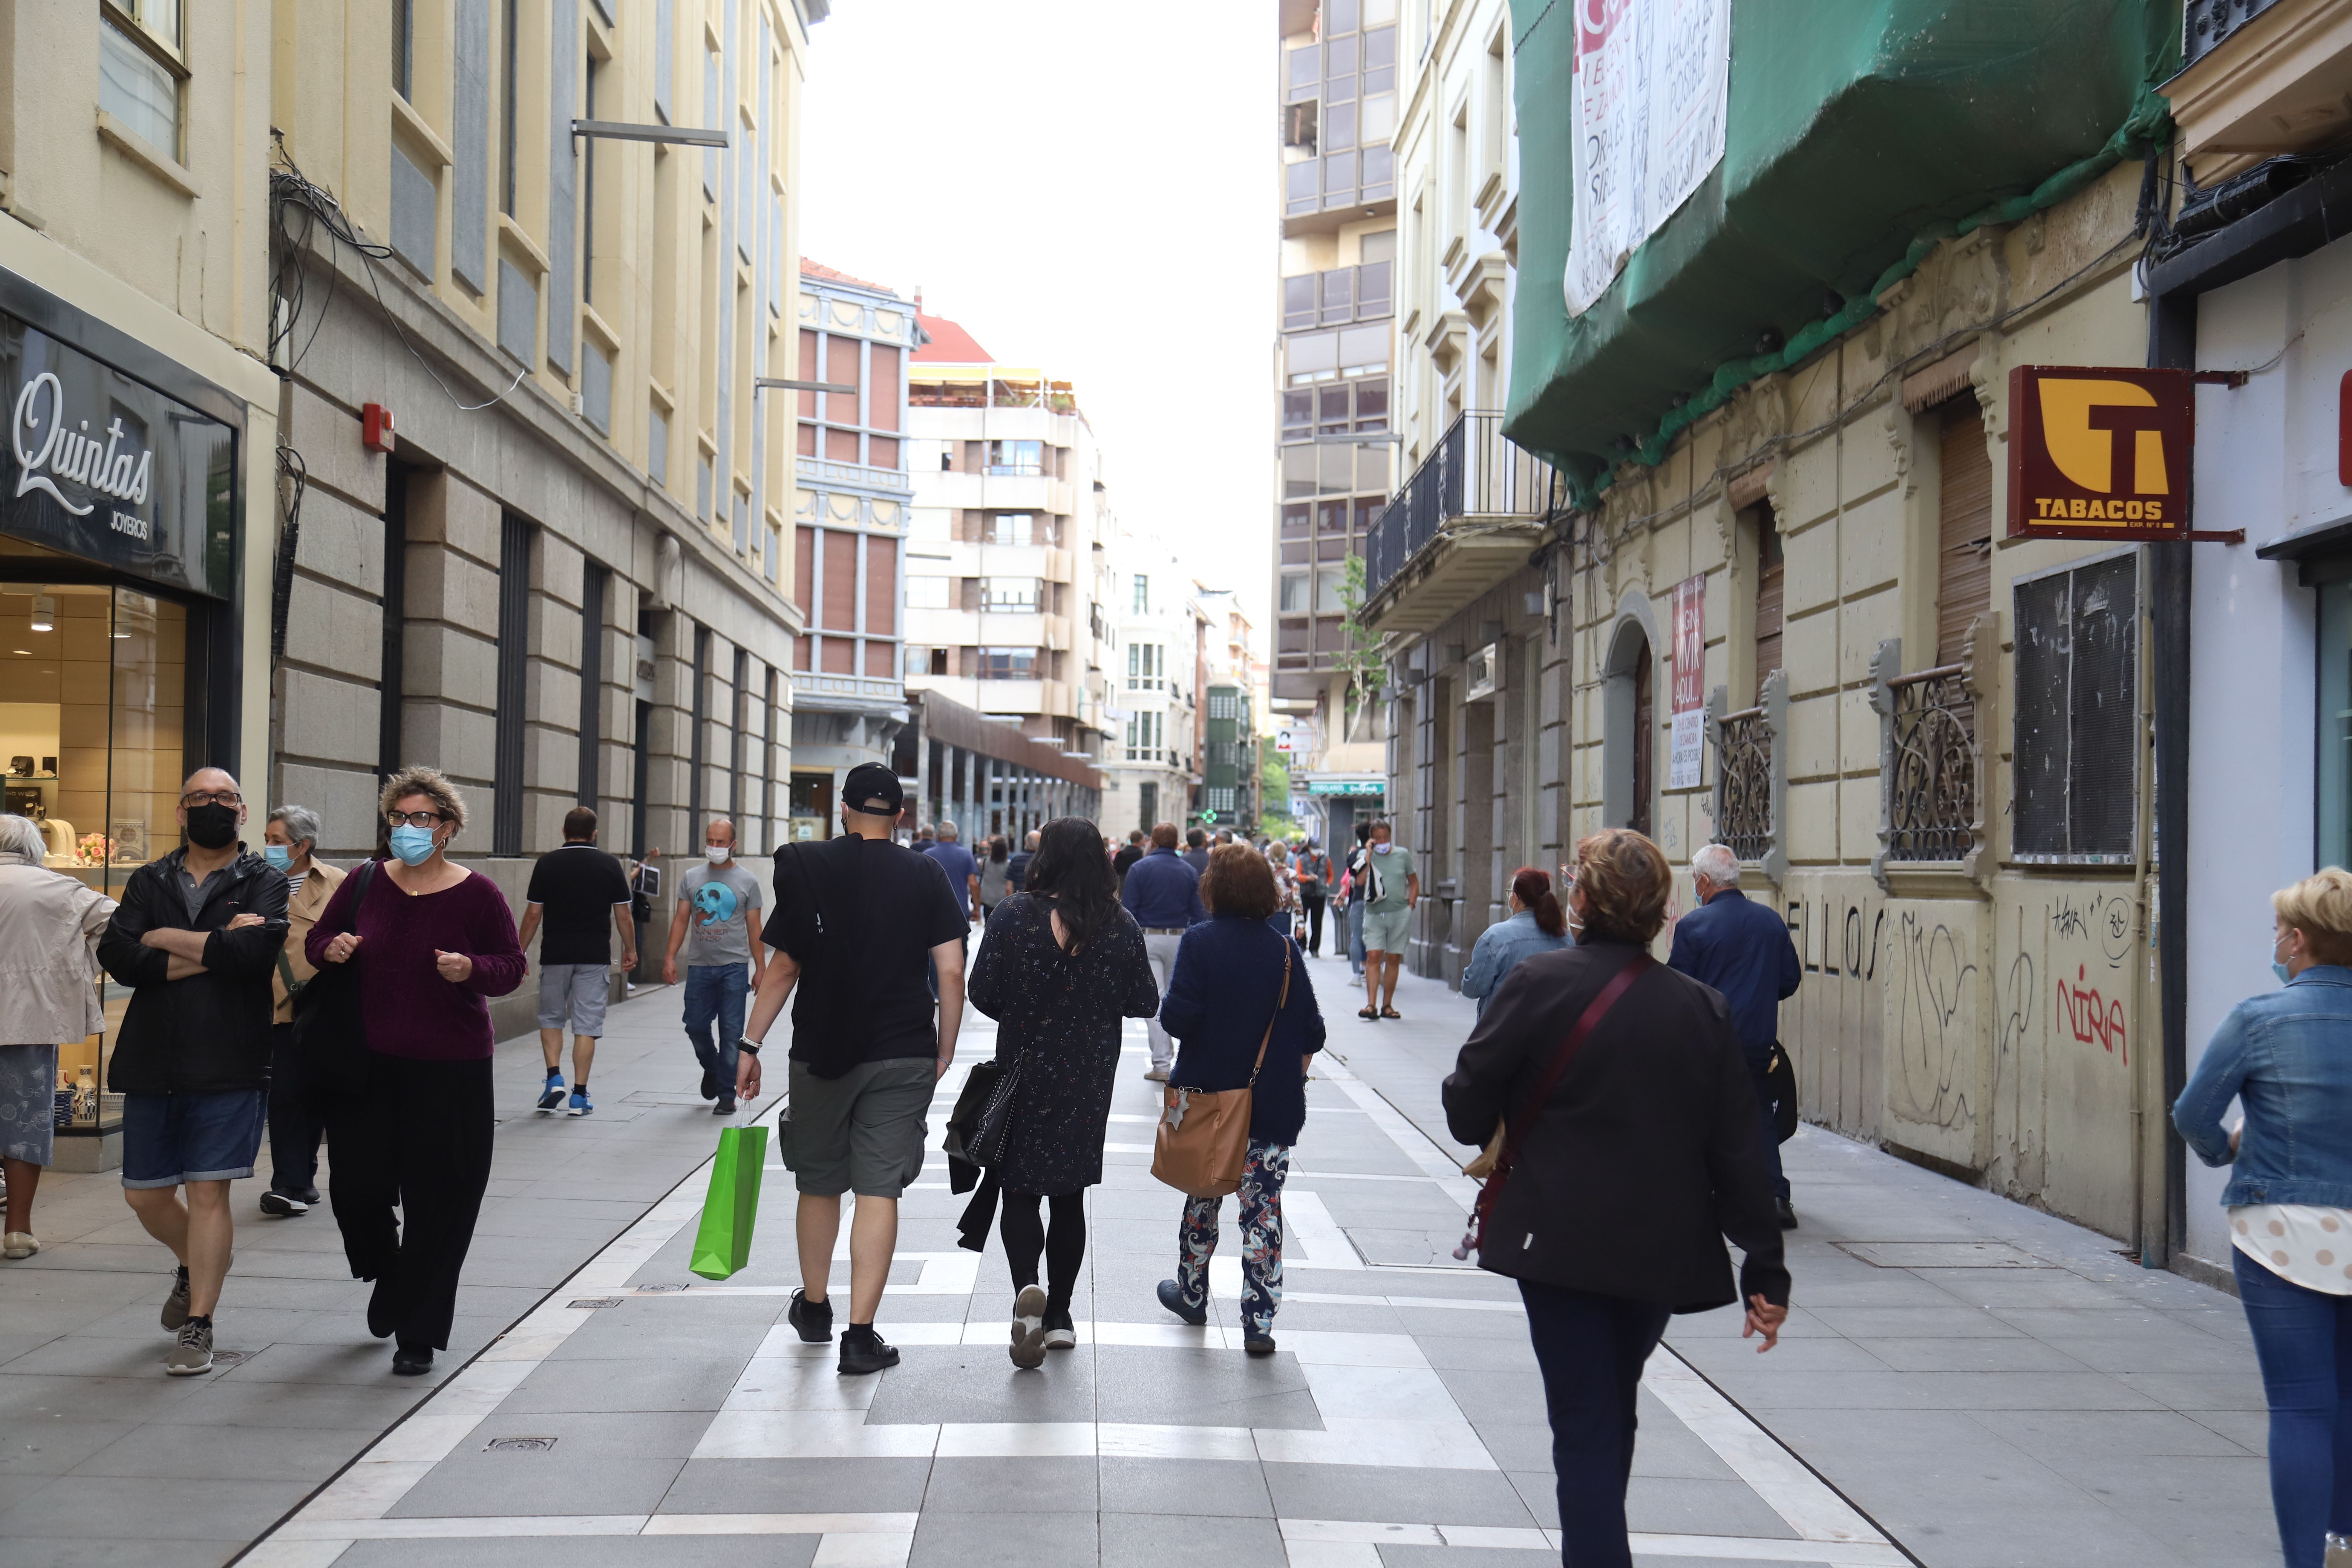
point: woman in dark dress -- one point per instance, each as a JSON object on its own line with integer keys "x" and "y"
{"x": 1059, "y": 965}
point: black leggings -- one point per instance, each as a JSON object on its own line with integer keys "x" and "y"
{"x": 1065, "y": 1244}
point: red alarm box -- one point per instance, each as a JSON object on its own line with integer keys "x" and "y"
{"x": 375, "y": 427}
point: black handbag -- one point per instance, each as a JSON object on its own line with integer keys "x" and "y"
{"x": 983, "y": 1117}
{"x": 329, "y": 1025}
{"x": 1782, "y": 1076}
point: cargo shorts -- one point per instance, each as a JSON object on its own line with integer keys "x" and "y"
{"x": 861, "y": 1132}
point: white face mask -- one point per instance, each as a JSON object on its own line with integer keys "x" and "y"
{"x": 716, "y": 854}
{"x": 1383, "y": 848}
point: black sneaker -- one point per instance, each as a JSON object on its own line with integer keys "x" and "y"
{"x": 281, "y": 1207}
{"x": 176, "y": 1305}
{"x": 412, "y": 1361}
{"x": 1061, "y": 1333}
{"x": 812, "y": 1320}
{"x": 710, "y": 1083}
{"x": 382, "y": 1310}
{"x": 724, "y": 1108}
{"x": 862, "y": 1351}
{"x": 1788, "y": 1212}
{"x": 1258, "y": 1344}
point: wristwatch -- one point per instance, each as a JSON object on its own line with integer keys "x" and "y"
{"x": 750, "y": 1048}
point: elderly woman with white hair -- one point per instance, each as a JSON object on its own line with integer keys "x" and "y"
{"x": 287, "y": 843}
{"x": 49, "y": 926}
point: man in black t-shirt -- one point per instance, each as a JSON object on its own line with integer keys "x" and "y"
{"x": 859, "y": 920}
{"x": 575, "y": 891}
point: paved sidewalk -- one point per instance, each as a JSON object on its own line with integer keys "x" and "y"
{"x": 102, "y": 1457}
{"x": 1963, "y": 1381}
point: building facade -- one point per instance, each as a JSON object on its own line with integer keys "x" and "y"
{"x": 563, "y": 579}
{"x": 1764, "y": 600}
{"x": 1008, "y": 564}
{"x": 850, "y": 512}
{"x": 1150, "y": 768}
{"x": 1342, "y": 83}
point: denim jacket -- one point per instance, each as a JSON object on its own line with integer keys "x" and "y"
{"x": 2287, "y": 1056}
{"x": 1498, "y": 951}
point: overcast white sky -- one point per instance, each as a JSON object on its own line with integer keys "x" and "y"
{"x": 1087, "y": 186}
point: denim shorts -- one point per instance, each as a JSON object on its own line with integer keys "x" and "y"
{"x": 168, "y": 1139}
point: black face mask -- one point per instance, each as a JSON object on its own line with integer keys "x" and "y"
{"x": 211, "y": 826}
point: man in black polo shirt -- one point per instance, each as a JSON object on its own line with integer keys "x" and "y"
{"x": 858, "y": 922}
{"x": 580, "y": 892}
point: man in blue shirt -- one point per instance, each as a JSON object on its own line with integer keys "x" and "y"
{"x": 1743, "y": 950}
{"x": 1163, "y": 893}
{"x": 963, "y": 871}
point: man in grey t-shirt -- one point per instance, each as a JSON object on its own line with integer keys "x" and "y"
{"x": 716, "y": 920}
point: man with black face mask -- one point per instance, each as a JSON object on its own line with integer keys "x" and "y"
{"x": 197, "y": 940}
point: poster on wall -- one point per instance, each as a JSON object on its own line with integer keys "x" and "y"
{"x": 1650, "y": 94}
{"x": 1690, "y": 670}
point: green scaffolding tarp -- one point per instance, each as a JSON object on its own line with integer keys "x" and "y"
{"x": 1859, "y": 134}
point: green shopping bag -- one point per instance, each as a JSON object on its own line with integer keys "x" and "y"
{"x": 724, "y": 1245}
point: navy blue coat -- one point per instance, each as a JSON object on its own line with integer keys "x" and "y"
{"x": 1228, "y": 975}
{"x": 1742, "y": 950}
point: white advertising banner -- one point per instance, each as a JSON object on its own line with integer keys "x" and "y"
{"x": 1689, "y": 751}
{"x": 1652, "y": 81}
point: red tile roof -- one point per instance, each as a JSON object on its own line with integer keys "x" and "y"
{"x": 949, "y": 344}
{"x": 818, "y": 269}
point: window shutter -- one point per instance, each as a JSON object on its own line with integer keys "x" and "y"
{"x": 1964, "y": 542}
{"x": 1771, "y": 571}
{"x": 2077, "y": 746}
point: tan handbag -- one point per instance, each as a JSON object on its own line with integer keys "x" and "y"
{"x": 1202, "y": 1140}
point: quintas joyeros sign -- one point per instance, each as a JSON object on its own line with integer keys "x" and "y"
{"x": 2100, "y": 454}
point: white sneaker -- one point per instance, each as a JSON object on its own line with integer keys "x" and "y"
{"x": 18, "y": 1243}
{"x": 1157, "y": 1075}
{"x": 1029, "y": 1327}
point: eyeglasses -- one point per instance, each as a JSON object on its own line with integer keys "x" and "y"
{"x": 211, "y": 797}
{"x": 414, "y": 818}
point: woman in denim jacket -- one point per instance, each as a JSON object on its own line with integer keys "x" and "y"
{"x": 1537, "y": 924}
{"x": 2286, "y": 1055}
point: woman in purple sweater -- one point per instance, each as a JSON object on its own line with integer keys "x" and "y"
{"x": 431, "y": 939}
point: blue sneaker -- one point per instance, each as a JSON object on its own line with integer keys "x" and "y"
{"x": 552, "y": 1094}
{"x": 581, "y": 1105}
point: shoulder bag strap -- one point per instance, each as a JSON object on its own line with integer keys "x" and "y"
{"x": 1279, "y": 1004}
{"x": 1516, "y": 1129}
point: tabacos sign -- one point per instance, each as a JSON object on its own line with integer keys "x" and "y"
{"x": 2098, "y": 453}
{"x": 54, "y": 450}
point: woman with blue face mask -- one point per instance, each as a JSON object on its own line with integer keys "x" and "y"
{"x": 2286, "y": 1057}
{"x": 433, "y": 941}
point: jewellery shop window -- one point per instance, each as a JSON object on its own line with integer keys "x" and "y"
{"x": 92, "y": 714}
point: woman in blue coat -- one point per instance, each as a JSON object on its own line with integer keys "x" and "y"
{"x": 1537, "y": 924}
{"x": 1229, "y": 979}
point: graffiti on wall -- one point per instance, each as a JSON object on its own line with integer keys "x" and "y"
{"x": 1933, "y": 1054}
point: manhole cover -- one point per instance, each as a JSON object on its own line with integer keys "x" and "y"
{"x": 518, "y": 1445}
{"x": 598, "y": 1301}
{"x": 1942, "y": 1255}
{"x": 223, "y": 1360}
{"x": 657, "y": 1290}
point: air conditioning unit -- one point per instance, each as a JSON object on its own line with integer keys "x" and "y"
{"x": 1483, "y": 671}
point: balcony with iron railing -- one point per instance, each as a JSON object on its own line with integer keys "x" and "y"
{"x": 1463, "y": 522}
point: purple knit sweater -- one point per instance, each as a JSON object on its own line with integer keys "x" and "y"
{"x": 411, "y": 1010}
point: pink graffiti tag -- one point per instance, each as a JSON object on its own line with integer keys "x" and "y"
{"x": 2093, "y": 1019}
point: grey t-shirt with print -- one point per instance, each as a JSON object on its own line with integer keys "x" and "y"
{"x": 722, "y": 905}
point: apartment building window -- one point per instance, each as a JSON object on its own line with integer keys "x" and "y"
{"x": 665, "y": 55}
{"x": 596, "y": 389}
{"x": 1008, "y": 664}
{"x": 1015, "y": 459}
{"x": 1220, "y": 798}
{"x": 1771, "y": 571}
{"x": 506, "y": 108}
{"x": 593, "y": 75}
{"x": 1147, "y": 667}
{"x": 1011, "y": 596}
{"x": 1326, "y": 590}
{"x": 1012, "y": 528}
{"x": 657, "y": 445}
{"x": 927, "y": 593}
{"x": 1293, "y": 600}
{"x": 594, "y": 581}
{"x": 1964, "y": 527}
{"x": 2078, "y": 719}
{"x": 1224, "y": 705}
{"x": 513, "y": 692}
{"x": 1142, "y": 594}
{"x": 1144, "y": 738}
{"x": 710, "y": 117}
{"x": 139, "y": 70}
{"x": 404, "y": 48}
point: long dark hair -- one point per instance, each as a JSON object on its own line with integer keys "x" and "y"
{"x": 1533, "y": 888}
{"x": 1070, "y": 868}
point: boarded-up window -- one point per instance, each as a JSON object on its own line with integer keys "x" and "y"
{"x": 841, "y": 368}
{"x": 840, "y": 582}
{"x": 2078, "y": 713}
{"x": 807, "y": 371}
{"x": 1964, "y": 532}
{"x": 881, "y": 586}
{"x": 883, "y": 395}
{"x": 803, "y": 571}
{"x": 1771, "y": 569}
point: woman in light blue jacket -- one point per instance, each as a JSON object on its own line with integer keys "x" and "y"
{"x": 1536, "y": 924}
{"x": 2286, "y": 1057}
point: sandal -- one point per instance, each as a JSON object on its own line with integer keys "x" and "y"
{"x": 1390, "y": 1013}
{"x": 1370, "y": 1012}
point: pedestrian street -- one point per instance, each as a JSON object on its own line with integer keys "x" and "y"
{"x": 1931, "y": 1414}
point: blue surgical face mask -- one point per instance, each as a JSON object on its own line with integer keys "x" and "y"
{"x": 2276, "y": 967}
{"x": 279, "y": 854}
{"x": 412, "y": 845}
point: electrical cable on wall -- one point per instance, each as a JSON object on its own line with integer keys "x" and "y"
{"x": 293, "y": 479}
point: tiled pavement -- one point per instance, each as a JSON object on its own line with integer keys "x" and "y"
{"x": 1963, "y": 1381}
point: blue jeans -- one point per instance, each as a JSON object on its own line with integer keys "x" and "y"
{"x": 2302, "y": 1340}
{"x": 1758, "y": 1064}
{"x": 1356, "y": 935}
{"x": 717, "y": 991}
{"x": 1590, "y": 1350}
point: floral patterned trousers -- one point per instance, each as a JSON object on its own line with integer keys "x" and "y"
{"x": 1261, "y": 1220}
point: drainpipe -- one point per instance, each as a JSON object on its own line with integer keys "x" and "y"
{"x": 2172, "y": 344}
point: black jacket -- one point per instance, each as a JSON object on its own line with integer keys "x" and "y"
{"x": 1646, "y": 1155}
{"x": 209, "y": 1033}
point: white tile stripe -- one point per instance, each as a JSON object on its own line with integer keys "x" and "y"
{"x": 474, "y": 1527}
{"x": 1345, "y": 1543}
{"x": 1416, "y": 1144}
{"x": 1800, "y": 1497}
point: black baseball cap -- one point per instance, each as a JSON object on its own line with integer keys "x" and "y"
{"x": 873, "y": 789}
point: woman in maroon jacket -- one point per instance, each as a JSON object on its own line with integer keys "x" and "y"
{"x": 431, "y": 939}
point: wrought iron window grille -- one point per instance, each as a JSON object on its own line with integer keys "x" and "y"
{"x": 1751, "y": 774}
{"x": 1931, "y": 760}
